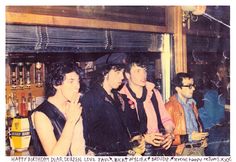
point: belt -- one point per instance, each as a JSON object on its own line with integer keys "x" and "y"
{"x": 193, "y": 145}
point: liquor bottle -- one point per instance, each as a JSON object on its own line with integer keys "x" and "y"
{"x": 16, "y": 100}
{"x": 27, "y": 74}
{"x": 12, "y": 106}
{"x": 33, "y": 103}
{"x": 29, "y": 102}
{"x": 23, "y": 106}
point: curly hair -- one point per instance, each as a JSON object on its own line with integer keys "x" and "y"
{"x": 56, "y": 74}
{"x": 99, "y": 75}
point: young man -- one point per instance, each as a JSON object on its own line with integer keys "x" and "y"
{"x": 182, "y": 108}
{"x": 146, "y": 114}
{"x": 57, "y": 122}
{"x": 105, "y": 131}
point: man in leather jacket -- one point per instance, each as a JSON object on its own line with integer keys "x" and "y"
{"x": 189, "y": 138}
{"x": 104, "y": 128}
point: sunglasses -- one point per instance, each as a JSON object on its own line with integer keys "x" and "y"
{"x": 190, "y": 86}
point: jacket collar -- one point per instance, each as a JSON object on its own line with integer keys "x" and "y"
{"x": 149, "y": 86}
{"x": 175, "y": 99}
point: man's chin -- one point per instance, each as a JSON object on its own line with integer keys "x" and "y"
{"x": 115, "y": 87}
{"x": 143, "y": 84}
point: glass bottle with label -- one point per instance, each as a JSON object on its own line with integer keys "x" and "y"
{"x": 23, "y": 106}
{"x": 29, "y": 102}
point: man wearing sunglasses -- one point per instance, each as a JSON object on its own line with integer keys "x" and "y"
{"x": 189, "y": 138}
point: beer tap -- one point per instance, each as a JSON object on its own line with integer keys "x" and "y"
{"x": 20, "y": 67}
{"x": 38, "y": 75}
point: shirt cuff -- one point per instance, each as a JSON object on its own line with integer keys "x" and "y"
{"x": 190, "y": 138}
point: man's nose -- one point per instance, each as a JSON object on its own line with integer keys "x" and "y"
{"x": 77, "y": 86}
{"x": 121, "y": 76}
{"x": 144, "y": 74}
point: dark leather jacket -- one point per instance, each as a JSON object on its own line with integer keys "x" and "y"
{"x": 104, "y": 129}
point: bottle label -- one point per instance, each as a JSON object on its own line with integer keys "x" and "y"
{"x": 12, "y": 111}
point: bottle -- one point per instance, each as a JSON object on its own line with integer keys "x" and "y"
{"x": 11, "y": 106}
{"x": 17, "y": 107}
{"x": 29, "y": 102}
{"x": 23, "y": 107}
{"x": 33, "y": 103}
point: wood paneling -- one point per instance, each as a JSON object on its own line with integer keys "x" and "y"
{"x": 33, "y": 19}
{"x": 150, "y": 15}
{"x": 84, "y": 17}
{"x": 174, "y": 20}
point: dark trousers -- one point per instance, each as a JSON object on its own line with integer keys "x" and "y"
{"x": 151, "y": 150}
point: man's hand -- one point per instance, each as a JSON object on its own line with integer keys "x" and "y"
{"x": 166, "y": 143}
{"x": 197, "y": 136}
{"x": 154, "y": 139}
{"x": 73, "y": 109}
{"x": 204, "y": 143}
{"x": 141, "y": 147}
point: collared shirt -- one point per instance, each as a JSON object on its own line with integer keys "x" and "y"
{"x": 191, "y": 123}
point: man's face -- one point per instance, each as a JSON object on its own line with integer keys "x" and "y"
{"x": 187, "y": 88}
{"x": 70, "y": 86}
{"x": 221, "y": 73}
{"x": 114, "y": 78}
{"x": 137, "y": 75}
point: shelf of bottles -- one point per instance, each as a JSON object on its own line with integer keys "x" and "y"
{"x": 24, "y": 84}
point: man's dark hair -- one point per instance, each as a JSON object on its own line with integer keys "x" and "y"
{"x": 56, "y": 74}
{"x": 178, "y": 80}
{"x": 99, "y": 75}
{"x": 139, "y": 59}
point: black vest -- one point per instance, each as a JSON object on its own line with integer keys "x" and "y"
{"x": 58, "y": 122}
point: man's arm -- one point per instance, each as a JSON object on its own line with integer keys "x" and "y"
{"x": 165, "y": 116}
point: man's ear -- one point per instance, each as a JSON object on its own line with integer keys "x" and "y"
{"x": 106, "y": 76}
{"x": 56, "y": 87}
{"x": 177, "y": 89}
{"x": 127, "y": 75}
